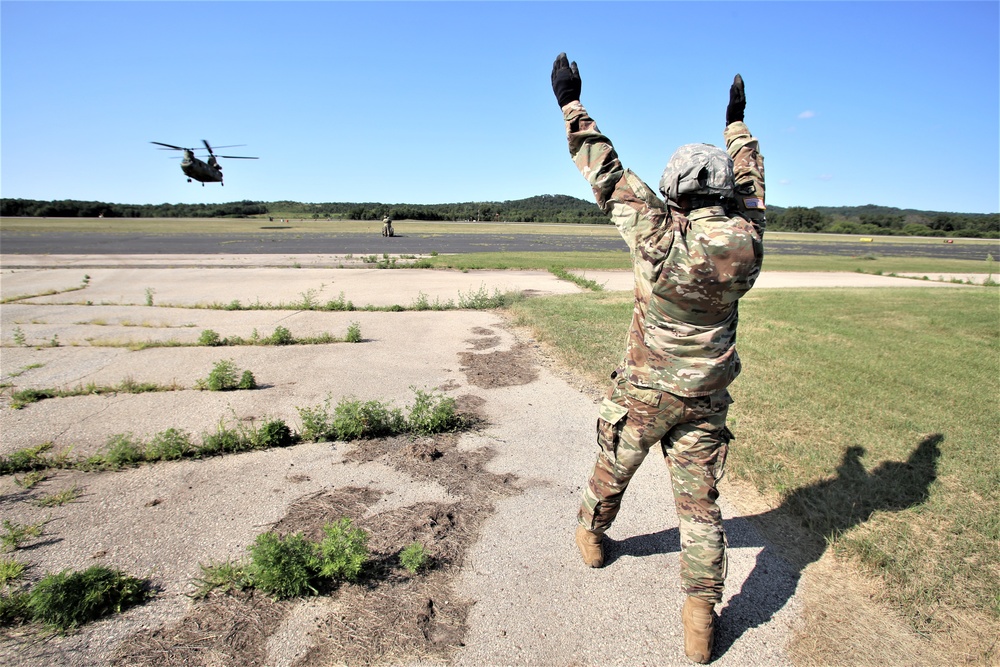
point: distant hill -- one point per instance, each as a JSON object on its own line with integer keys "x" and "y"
{"x": 869, "y": 219}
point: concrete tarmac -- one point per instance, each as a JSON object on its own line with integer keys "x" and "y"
{"x": 535, "y": 603}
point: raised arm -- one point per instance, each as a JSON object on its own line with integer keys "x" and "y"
{"x": 748, "y": 163}
{"x": 634, "y": 208}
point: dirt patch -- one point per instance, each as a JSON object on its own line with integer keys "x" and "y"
{"x": 223, "y": 630}
{"x": 484, "y": 343}
{"x": 501, "y": 368}
{"x": 390, "y": 614}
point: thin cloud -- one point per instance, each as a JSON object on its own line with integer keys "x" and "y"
{"x": 825, "y": 177}
{"x": 807, "y": 114}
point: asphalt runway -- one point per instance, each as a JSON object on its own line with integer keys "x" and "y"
{"x": 94, "y": 243}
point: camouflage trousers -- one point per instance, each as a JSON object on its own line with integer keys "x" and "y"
{"x": 693, "y": 437}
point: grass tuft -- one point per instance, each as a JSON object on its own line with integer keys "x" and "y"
{"x": 69, "y": 599}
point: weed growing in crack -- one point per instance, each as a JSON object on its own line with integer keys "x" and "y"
{"x": 15, "y": 534}
{"x": 60, "y": 498}
{"x": 281, "y": 336}
{"x": 433, "y": 413}
{"x": 308, "y": 301}
{"x": 247, "y": 381}
{"x": 129, "y": 385}
{"x": 414, "y": 558}
{"x": 11, "y": 570}
{"x": 283, "y": 567}
{"x": 338, "y": 304}
{"x": 352, "y": 419}
{"x": 169, "y": 445}
{"x": 26, "y": 460}
{"x": 343, "y": 551}
{"x": 353, "y": 333}
{"x": 225, "y": 376}
{"x": 586, "y": 283}
{"x": 31, "y": 480}
{"x": 69, "y": 599}
{"x": 121, "y": 450}
{"x": 224, "y": 577}
{"x": 292, "y": 566}
{"x": 210, "y": 338}
{"x": 273, "y": 433}
{"x": 19, "y": 338}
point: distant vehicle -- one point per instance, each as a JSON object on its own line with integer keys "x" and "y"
{"x": 209, "y": 171}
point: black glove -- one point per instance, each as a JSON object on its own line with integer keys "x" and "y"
{"x": 737, "y": 101}
{"x": 565, "y": 80}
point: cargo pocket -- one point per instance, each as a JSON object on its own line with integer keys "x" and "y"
{"x": 609, "y": 427}
{"x": 719, "y": 465}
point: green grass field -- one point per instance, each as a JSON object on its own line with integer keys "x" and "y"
{"x": 620, "y": 260}
{"x": 910, "y": 376}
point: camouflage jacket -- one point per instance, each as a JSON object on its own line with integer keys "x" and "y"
{"x": 690, "y": 270}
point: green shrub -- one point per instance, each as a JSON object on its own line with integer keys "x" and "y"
{"x": 123, "y": 449}
{"x": 481, "y": 299}
{"x": 14, "y": 609}
{"x": 70, "y": 599}
{"x": 224, "y": 440}
{"x": 353, "y": 419}
{"x": 343, "y": 551}
{"x": 223, "y": 377}
{"x": 247, "y": 381}
{"x": 209, "y": 338}
{"x": 433, "y": 413}
{"x": 281, "y": 336}
{"x": 353, "y": 333}
{"x": 339, "y": 304}
{"x": 316, "y": 422}
{"x": 169, "y": 445}
{"x": 283, "y": 568}
{"x": 414, "y": 557}
{"x": 274, "y": 433}
{"x": 25, "y": 460}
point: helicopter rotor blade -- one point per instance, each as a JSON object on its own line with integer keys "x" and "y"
{"x": 237, "y": 157}
{"x": 170, "y": 146}
{"x": 209, "y": 148}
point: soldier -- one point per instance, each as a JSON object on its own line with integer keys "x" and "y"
{"x": 387, "y": 226}
{"x": 694, "y": 254}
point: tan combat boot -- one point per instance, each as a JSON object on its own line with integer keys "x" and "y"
{"x": 590, "y": 546}
{"x": 698, "y": 617}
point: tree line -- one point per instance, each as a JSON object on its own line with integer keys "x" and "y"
{"x": 71, "y": 208}
{"x": 873, "y": 220}
{"x": 543, "y": 208}
{"x": 867, "y": 220}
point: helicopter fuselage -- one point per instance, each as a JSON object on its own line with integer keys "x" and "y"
{"x": 199, "y": 170}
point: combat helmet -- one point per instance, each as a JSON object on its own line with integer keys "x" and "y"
{"x": 698, "y": 169}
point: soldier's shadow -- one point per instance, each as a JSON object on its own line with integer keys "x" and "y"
{"x": 808, "y": 515}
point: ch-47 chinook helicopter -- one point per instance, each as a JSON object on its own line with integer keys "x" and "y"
{"x": 200, "y": 170}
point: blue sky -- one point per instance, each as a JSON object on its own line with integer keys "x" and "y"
{"x": 889, "y": 103}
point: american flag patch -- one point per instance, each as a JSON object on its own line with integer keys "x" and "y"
{"x": 753, "y": 202}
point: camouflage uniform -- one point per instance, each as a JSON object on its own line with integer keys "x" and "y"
{"x": 680, "y": 356}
